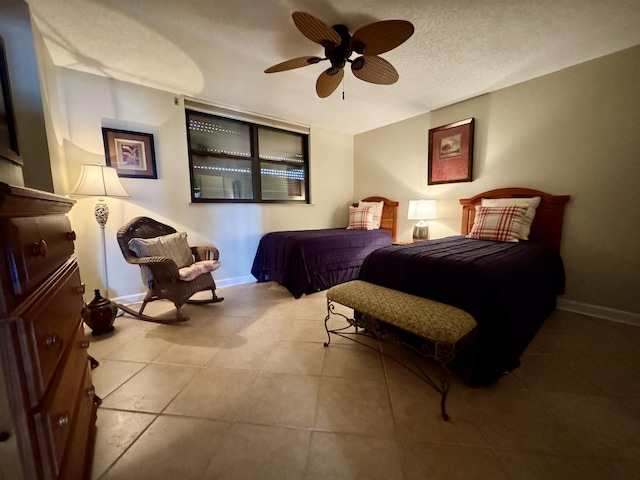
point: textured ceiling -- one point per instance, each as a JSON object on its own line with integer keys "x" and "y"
{"x": 217, "y": 50}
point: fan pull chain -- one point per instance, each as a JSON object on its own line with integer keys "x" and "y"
{"x": 342, "y": 88}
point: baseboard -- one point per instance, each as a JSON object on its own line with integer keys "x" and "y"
{"x": 230, "y": 282}
{"x": 129, "y": 299}
{"x": 568, "y": 305}
{"x": 600, "y": 312}
{"x": 226, "y": 282}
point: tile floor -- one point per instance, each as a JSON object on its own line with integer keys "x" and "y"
{"x": 246, "y": 390}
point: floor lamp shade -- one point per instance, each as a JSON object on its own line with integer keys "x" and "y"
{"x": 422, "y": 210}
{"x": 99, "y": 181}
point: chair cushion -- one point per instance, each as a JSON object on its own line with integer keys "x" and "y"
{"x": 173, "y": 246}
{"x": 196, "y": 269}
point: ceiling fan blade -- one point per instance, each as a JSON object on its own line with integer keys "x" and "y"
{"x": 326, "y": 84}
{"x": 380, "y": 37}
{"x": 293, "y": 63}
{"x": 373, "y": 69}
{"x": 315, "y": 29}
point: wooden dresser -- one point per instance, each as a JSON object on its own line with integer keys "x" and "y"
{"x": 47, "y": 401}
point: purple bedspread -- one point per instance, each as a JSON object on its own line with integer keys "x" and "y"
{"x": 509, "y": 288}
{"x": 306, "y": 261}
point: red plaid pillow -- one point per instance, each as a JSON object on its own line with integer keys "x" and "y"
{"x": 360, "y": 218}
{"x": 498, "y": 223}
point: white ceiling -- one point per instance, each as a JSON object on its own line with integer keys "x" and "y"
{"x": 217, "y": 50}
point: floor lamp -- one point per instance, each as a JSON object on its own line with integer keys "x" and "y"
{"x": 422, "y": 210}
{"x": 100, "y": 181}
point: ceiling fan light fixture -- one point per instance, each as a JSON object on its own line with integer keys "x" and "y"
{"x": 358, "y": 63}
{"x": 339, "y": 45}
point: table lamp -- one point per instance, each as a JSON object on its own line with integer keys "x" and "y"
{"x": 422, "y": 210}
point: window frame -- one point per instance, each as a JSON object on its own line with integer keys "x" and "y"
{"x": 254, "y": 158}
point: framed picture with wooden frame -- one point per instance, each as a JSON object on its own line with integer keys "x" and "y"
{"x": 451, "y": 153}
{"x": 132, "y": 154}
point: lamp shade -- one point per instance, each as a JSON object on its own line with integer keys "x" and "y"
{"x": 422, "y": 210}
{"x": 99, "y": 181}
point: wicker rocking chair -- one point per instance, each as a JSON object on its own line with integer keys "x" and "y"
{"x": 161, "y": 274}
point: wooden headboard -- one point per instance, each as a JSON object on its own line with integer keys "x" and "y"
{"x": 389, "y": 220}
{"x": 547, "y": 224}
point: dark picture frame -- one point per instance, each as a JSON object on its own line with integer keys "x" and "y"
{"x": 451, "y": 152}
{"x": 132, "y": 154}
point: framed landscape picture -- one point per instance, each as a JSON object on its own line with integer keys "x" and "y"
{"x": 130, "y": 153}
{"x": 451, "y": 153}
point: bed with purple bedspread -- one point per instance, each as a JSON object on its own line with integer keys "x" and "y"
{"x": 307, "y": 261}
{"x": 509, "y": 288}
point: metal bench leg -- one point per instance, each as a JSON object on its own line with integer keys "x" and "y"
{"x": 445, "y": 385}
{"x": 351, "y": 322}
{"x": 326, "y": 322}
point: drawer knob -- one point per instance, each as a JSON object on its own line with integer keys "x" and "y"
{"x": 71, "y": 236}
{"x": 91, "y": 391}
{"x": 84, "y": 344}
{"x": 63, "y": 420}
{"x": 81, "y": 289}
{"x": 51, "y": 339}
{"x": 40, "y": 248}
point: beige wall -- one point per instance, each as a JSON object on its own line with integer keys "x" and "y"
{"x": 572, "y": 132}
{"x": 79, "y": 104}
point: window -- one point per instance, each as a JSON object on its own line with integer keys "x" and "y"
{"x": 238, "y": 161}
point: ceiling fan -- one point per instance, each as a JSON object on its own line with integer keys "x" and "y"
{"x": 368, "y": 42}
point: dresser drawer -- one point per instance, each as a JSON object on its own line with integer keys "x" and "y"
{"x": 37, "y": 246}
{"x": 56, "y": 418}
{"x": 51, "y": 323}
{"x": 79, "y": 455}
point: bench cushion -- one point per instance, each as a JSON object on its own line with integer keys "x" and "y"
{"x": 429, "y": 319}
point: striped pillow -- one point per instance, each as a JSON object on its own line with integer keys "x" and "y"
{"x": 360, "y": 218}
{"x": 502, "y": 224}
{"x": 173, "y": 246}
{"x": 531, "y": 204}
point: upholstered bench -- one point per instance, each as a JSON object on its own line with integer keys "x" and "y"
{"x": 431, "y": 328}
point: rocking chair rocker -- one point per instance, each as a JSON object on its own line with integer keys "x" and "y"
{"x": 167, "y": 265}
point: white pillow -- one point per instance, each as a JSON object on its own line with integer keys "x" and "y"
{"x": 377, "y": 212}
{"x": 531, "y": 204}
